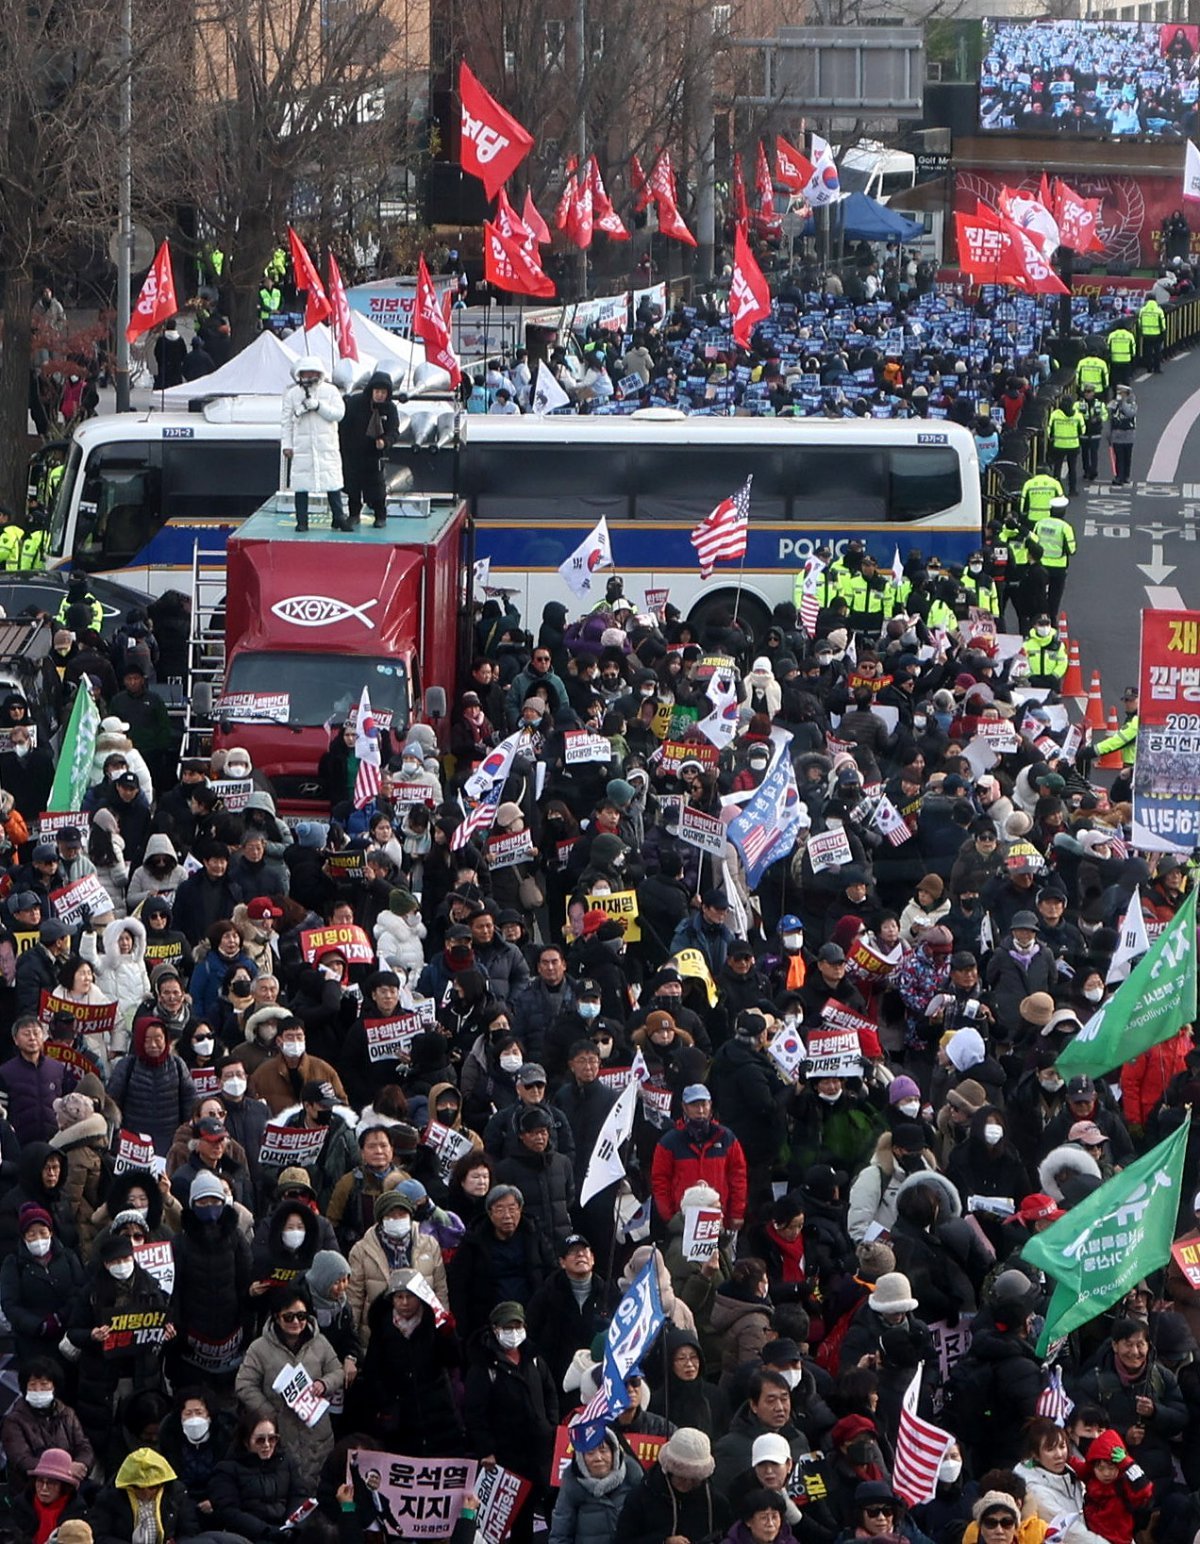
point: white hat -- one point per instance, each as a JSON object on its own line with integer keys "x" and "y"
{"x": 893, "y": 1294}
{"x": 770, "y": 1448}
{"x": 700, "y": 1195}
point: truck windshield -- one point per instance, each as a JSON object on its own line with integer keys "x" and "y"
{"x": 310, "y": 689}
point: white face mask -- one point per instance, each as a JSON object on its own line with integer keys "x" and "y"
{"x": 791, "y": 1376}
{"x": 234, "y": 1087}
{"x": 793, "y": 941}
{"x": 1043, "y": 632}
{"x": 909, "y": 1108}
{"x": 1051, "y": 1084}
{"x": 1093, "y": 993}
{"x": 121, "y": 1270}
{"x": 949, "y": 1470}
{"x": 829, "y": 1098}
{"x": 292, "y": 1237}
{"x": 292, "y": 1049}
{"x": 993, "y": 1135}
{"x": 397, "y": 1227}
{"x": 40, "y": 1399}
{"x": 202, "y": 1047}
{"x": 39, "y": 1248}
{"x": 511, "y": 1063}
{"x": 511, "y": 1339}
{"x": 196, "y": 1427}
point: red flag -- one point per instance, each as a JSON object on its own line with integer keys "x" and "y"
{"x": 508, "y": 267}
{"x": 793, "y": 169}
{"x": 766, "y": 221}
{"x": 510, "y": 224}
{"x": 741, "y": 205}
{"x": 492, "y": 144}
{"x": 749, "y": 296}
{"x": 1078, "y": 218}
{"x": 985, "y": 252}
{"x": 579, "y": 216}
{"x": 534, "y": 221}
{"x": 562, "y": 210}
{"x": 307, "y": 279}
{"x": 156, "y": 301}
{"x": 1035, "y": 275}
{"x": 662, "y": 188}
{"x": 343, "y": 324}
{"x": 641, "y": 188}
{"x": 606, "y": 217}
{"x": 431, "y": 326}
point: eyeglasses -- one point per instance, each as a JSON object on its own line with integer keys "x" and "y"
{"x": 879, "y": 1511}
{"x": 292, "y": 1318}
{"x": 264, "y": 1439}
{"x": 1003, "y": 1520}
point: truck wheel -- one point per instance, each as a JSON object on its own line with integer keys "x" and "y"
{"x": 751, "y": 611}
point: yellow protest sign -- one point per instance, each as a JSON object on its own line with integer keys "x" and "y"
{"x": 690, "y": 962}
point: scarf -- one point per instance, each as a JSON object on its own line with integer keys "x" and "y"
{"x": 792, "y": 1250}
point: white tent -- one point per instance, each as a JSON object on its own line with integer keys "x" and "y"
{"x": 263, "y": 368}
{"x": 374, "y": 343}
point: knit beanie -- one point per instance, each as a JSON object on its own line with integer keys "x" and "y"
{"x": 687, "y": 1454}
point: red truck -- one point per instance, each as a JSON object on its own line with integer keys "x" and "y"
{"x": 311, "y": 619}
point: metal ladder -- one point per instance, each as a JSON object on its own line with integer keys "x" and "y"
{"x": 206, "y": 647}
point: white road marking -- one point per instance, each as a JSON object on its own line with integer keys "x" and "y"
{"x": 1164, "y": 597}
{"x": 1172, "y": 440}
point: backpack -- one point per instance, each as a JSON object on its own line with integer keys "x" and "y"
{"x": 968, "y": 1394}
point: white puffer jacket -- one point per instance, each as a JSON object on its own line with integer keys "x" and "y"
{"x": 398, "y": 941}
{"x": 308, "y": 426}
{"x": 120, "y": 976}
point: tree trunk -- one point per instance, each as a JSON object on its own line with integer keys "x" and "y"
{"x": 14, "y": 390}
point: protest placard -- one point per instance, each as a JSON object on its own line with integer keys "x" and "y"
{"x": 703, "y": 831}
{"x": 508, "y": 850}
{"x": 1187, "y": 1257}
{"x": 829, "y": 850}
{"x": 294, "y": 1384}
{"x": 448, "y": 1144}
{"x": 134, "y": 1150}
{"x": 676, "y": 752}
{"x": 131, "y": 1332}
{"x": 701, "y": 1232}
{"x": 51, "y": 822}
{"x": 157, "y": 1259}
{"x": 71, "y": 1057}
{"x": 286, "y": 1147}
{"x": 622, "y": 904}
{"x": 248, "y": 706}
{"x": 352, "y": 941}
{"x": 70, "y": 902}
{"x": 420, "y": 1497}
{"x": 833, "y": 1054}
{"x": 349, "y": 864}
{"x": 388, "y": 1039}
{"x": 233, "y": 791}
{"x": 412, "y": 793}
{"x": 501, "y": 1494}
{"x": 91, "y": 1018}
{"x": 580, "y": 747}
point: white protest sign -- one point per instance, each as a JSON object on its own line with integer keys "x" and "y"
{"x": 448, "y": 1144}
{"x": 296, "y": 1386}
{"x": 701, "y": 1232}
{"x": 81, "y": 895}
{"x": 829, "y": 850}
{"x": 580, "y": 747}
{"x": 287, "y": 1147}
{"x": 701, "y": 830}
{"x": 233, "y": 792}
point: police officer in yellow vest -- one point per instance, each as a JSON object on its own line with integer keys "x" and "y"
{"x": 1092, "y": 370}
{"x": 1125, "y": 741}
{"x": 1122, "y": 347}
{"x": 77, "y": 603}
{"x": 1065, "y": 431}
{"x": 1095, "y": 416}
{"x": 1056, "y": 537}
{"x": 1152, "y": 324}
{"x": 1036, "y": 493}
{"x": 980, "y": 587}
{"x": 1046, "y": 653}
{"x": 866, "y": 593}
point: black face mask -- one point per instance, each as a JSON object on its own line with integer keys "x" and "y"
{"x": 447, "y": 1114}
{"x": 323, "y": 1117}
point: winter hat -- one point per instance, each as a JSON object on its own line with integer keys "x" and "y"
{"x": 205, "y": 1187}
{"x": 392, "y": 1201}
{"x": 71, "y": 1109}
{"x": 508, "y": 814}
{"x": 1037, "y": 1008}
{"x": 995, "y": 1501}
{"x": 893, "y": 1294}
{"x": 510, "y": 1312}
{"x": 620, "y": 792}
{"x": 932, "y": 884}
{"x": 30, "y": 1214}
{"x": 700, "y": 1196}
{"x": 130, "y": 1218}
{"x": 875, "y": 1260}
{"x": 327, "y": 1267}
{"x": 55, "y": 1464}
{"x": 902, "y": 1088}
{"x": 965, "y": 1048}
{"x": 114, "y": 1247}
{"x": 1016, "y": 825}
{"x": 968, "y": 1096}
{"x": 688, "y": 1454}
{"x": 73, "y": 1531}
{"x": 310, "y": 833}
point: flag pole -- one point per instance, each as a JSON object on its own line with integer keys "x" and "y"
{"x": 737, "y": 598}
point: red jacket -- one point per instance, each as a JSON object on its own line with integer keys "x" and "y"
{"x": 680, "y": 1162}
{"x": 1110, "y": 1506}
{"x": 1144, "y": 1080}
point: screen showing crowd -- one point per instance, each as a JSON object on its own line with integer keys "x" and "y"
{"x": 1090, "y": 78}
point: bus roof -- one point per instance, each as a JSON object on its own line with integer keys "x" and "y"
{"x": 412, "y": 522}
{"x": 700, "y": 430}
{"x": 129, "y": 428}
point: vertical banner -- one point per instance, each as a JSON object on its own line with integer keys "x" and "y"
{"x": 1166, "y": 788}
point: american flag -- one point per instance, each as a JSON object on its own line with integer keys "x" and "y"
{"x": 1054, "y": 1401}
{"x": 589, "y": 1424}
{"x": 888, "y": 819}
{"x": 920, "y": 1448}
{"x": 366, "y": 748}
{"x": 810, "y": 599}
{"x": 480, "y": 818}
{"x": 723, "y": 533}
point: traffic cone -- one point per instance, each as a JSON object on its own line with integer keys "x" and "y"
{"x": 1111, "y": 761}
{"x": 1063, "y": 634}
{"x": 1093, "y": 713}
{"x": 1073, "y": 680}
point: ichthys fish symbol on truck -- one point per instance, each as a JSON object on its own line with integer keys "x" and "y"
{"x": 320, "y": 611}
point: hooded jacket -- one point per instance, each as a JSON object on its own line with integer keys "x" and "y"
{"x": 113, "y": 1515}
{"x": 31, "y": 1188}
{"x": 144, "y": 884}
{"x": 360, "y": 455}
{"x": 308, "y": 423}
{"x": 121, "y": 977}
{"x": 588, "y": 1509}
{"x": 83, "y": 1146}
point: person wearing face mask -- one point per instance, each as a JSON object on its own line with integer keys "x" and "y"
{"x": 286, "y": 1249}
{"x": 38, "y": 1284}
{"x": 280, "y": 1078}
{"x": 1039, "y": 1095}
{"x": 1046, "y": 652}
{"x": 119, "y": 1286}
{"x": 580, "y": 1019}
{"x": 39, "y": 1419}
{"x": 512, "y": 1407}
{"x": 898, "y": 1153}
{"x": 501, "y": 1135}
{"x": 212, "y": 1286}
{"x": 160, "y": 873}
{"x": 489, "y": 1072}
{"x": 339, "y": 1152}
{"x": 394, "y": 1243}
{"x": 988, "y": 1164}
{"x": 194, "y": 1438}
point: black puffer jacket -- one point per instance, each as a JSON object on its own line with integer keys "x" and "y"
{"x": 547, "y": 1181}
{"x": 212, "y": 1282}
{"x": 511, "y": 1408}
{"x": 31, "y": 1189}
{"x": 252, "y": 1496}
{"x": 749, "y": 1099}
{"x": 1015, "y": 1386}
{"x": 405, "y": 1384}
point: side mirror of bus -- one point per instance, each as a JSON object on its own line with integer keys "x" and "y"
{"x": 435, "y": 703}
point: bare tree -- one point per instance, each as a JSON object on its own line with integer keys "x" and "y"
{"x": 305, "y": 109}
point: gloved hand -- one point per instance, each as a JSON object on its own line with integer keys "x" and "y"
{"x": 1085, "y": 755}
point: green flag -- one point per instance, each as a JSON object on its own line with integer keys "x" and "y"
{"x": 1156, "y": 999}
{"x": 73, "y": 775}
{"x": 1119, "y": 1234}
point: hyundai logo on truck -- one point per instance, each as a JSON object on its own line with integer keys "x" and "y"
{"x": 320, "y": 610}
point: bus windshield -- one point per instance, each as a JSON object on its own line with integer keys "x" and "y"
{"x": 309, "y": 690}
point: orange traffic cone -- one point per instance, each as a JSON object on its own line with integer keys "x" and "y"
{"x": 1111, "y": 761}
{"x": 1072, "y": 685}
{"x": 1062, "y": 630}
{"x": 1093, "y": 713}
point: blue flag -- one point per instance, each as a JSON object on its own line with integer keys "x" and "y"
{"x": 635, "y": 1325}
{"x": 770, "y": 820}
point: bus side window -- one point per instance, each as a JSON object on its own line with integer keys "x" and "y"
{"x": 924, "y": 481}
{"x": 119, "y": 506}
{"x": 223, "y": 480}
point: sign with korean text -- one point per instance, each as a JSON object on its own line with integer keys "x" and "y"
{"x": 580, "y": 747}
{"x": 448, "y": 1144}
{"x": 1186, "y": 1254}
{"x": 388, "y": 1039}
{"x": 135, "y": 1150}
{"x": 676, "y": 752}
{"x": 157, "y": 1260}
{"x": 233, "y": 792}
{"x": 833, "y": 1054}
{"x": 131, "y": 1332}
{"x": 51, "y": 822}
{"x": 623, "y": 905}
{"x": 829, "y": 850}
{"x": 294, "y": 1385}
{"x": 508, "y": 850}
{"x": 412, "y": 793}
{"x": 1166, "y": 792}
{"x": 350, "y": 864}
{"x": 82, "y": 895}
{"x": 286, "y": 1147}
{"x": 70, "y": 1057}
{"x": 350, "y": 940}
{"x": 703, "y": 831}
{"x": 701, "y": 1232}
{"x": 869, "y": 960}
{"x": 91, "y": 1018}
{"x": 246, "y": 707}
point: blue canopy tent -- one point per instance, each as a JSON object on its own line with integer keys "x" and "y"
{"x": 866, "y": 219}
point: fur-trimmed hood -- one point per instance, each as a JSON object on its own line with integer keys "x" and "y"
{"x": 92, "y": 1128}
{"x": 111, "y": 937}
{"x": 952, "y": 1202}
{"x": 1068, "y": 1157}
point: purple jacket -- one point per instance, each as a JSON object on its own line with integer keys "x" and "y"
{"x": 31, "y": 1089}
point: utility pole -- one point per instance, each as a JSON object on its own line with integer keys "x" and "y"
{"x": 706, "y": 136}
{"x": 125, "y": 208}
